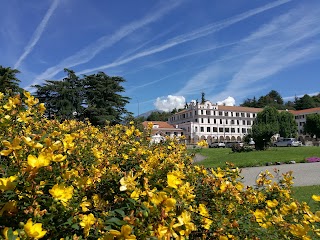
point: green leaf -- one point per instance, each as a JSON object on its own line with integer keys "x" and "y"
{"x": 120, "y": 212}
{"x": 75, "y": 226}
{"x": 10, "y": 235}
{"x": 115, "y": 221}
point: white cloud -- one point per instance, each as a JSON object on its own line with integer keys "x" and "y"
{"x": 37, "y": 34}
{"x": 229, "y": 101}
{"x": 169, "y": 103}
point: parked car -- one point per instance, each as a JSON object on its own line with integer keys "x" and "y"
{"x": 230, "y": 144}
{"x": 287, "y": 142}
{"x": 217, "y": 145}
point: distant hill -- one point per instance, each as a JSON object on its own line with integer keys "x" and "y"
{"x": 147, "y": 114}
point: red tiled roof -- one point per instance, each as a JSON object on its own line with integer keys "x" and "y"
{"x": 309, "y": 110}
{"x": 160, "y": 124}
{"x": 239, "y": 109}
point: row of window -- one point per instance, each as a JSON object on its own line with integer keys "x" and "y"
{"x": 222, "y": 130}
{"x": 215, "y": 113}
{"x": 224, "y": 121}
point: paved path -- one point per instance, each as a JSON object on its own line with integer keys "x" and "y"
{"x": 305, "y": 174}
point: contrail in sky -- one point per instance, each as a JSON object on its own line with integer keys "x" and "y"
{"x": 37, "y": 34}
{"x": 202, "y": 32}
{"x": 90, "y": 51}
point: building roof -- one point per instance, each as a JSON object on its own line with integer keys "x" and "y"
{"x": 161, "y": 124}
{"x": 239, "y": 109}
{"x": 305, "y": 111}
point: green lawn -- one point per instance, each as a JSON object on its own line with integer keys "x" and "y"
{"x": 304, "y": 194}
{"x": 216, "y": 157}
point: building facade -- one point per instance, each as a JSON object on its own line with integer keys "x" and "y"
{"x": 301, "y": 118}
{"x": 214, "y": 123}
{"x": 160, "y": 128}
{"x": 218, "y": 123}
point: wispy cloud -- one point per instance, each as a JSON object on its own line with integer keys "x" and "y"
{"x": 201, "y": 32}
{"x": 89, "y": 52}
{"x": 299, "y": 96}
{"x": 37, "y": 34}
{"x": 283, "y": 43}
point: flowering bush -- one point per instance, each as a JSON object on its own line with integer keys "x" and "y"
{"x": 313, "y": 159}
{"x": 71, "y": 180}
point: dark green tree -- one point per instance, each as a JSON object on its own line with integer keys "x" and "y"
{"x": 159, "y": 116}
{"x": 63, "y": 99}
{"x": 9, "y": 83}
{"x": 203, "y": 98}
{"x": 103, "y": 99}
{"x": 264, "y": 127}
{"x": 287, "y": 125}
{"x": 312, "y": 125}
{"x": 305, "y": 102}
{"x": 273, "y": 99}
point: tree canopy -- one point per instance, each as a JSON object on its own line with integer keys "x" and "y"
{"x": 265, "y": 126}
{"x": 274, "y": 99}
{"x": 287, "y": 125}
{"x": 312, "y": 125}
{"x": 96, "y": 97}
{"x": 9, "y": 83}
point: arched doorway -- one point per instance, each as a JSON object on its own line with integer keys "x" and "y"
{"x": 233, "y": 138}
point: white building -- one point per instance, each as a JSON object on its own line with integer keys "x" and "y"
{"x": 217, "y": 123}
{"x": 301, "y": 118}
{"x": 214, "y": 122}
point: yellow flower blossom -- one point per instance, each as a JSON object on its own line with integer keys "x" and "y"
{"x": 61, "y": 192}
{"x": 124, "y": 234}
{"x": 206, "y": 222}
{"x": 202, "y": 143}
{"x": 37, "y": 162}
{"x": 128, "y": 182}
{"x": 272, "y": 203}
{"x": 32, "y": 143}
{"x": 8, "y": 183}
{"x": 5, "y": 233}
{"x": 59, "y": 158}
{"x": 34, "y": 230}
{"x": 11, "y": 147}
{"x": 10, "y": 207}
{"x": 173, "y": 180}
{"x": 86, "y": 222}
{"x": 316, "y": 197}
{"x": 299, "y": 230}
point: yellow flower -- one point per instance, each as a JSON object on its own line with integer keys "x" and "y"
{"x": 37, "y": 162}
{"x": 5, "y": 233}
{"x": 31, "y": 143}
{"x": 31, "y": 100}
{"x": 202, "y": 143}
{"x": 124, "y": 234}
{"x": 11, "y": 147}
{"x": 316, "y": 197}
{"x": 8, "y": 183}
{"x": 128, "y": 182}
{"x": 58, "y": 158}
{"x": 173, "y": 180}
{"x": 86, "y": 222}
{"x": 272, "y": 204}
{"x": 299, "y": 230}
{"x": 185, "y": 219}
{"x": 10, "y": 207}
{"x": 34, "y": 230}
{"x": 61, "y": 192}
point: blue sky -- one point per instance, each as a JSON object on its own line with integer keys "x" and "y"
{"x": 168, "y": 51}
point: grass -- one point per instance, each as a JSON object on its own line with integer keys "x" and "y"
{"x": 304, "y": 194}
{"x": 217, "y": 157}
